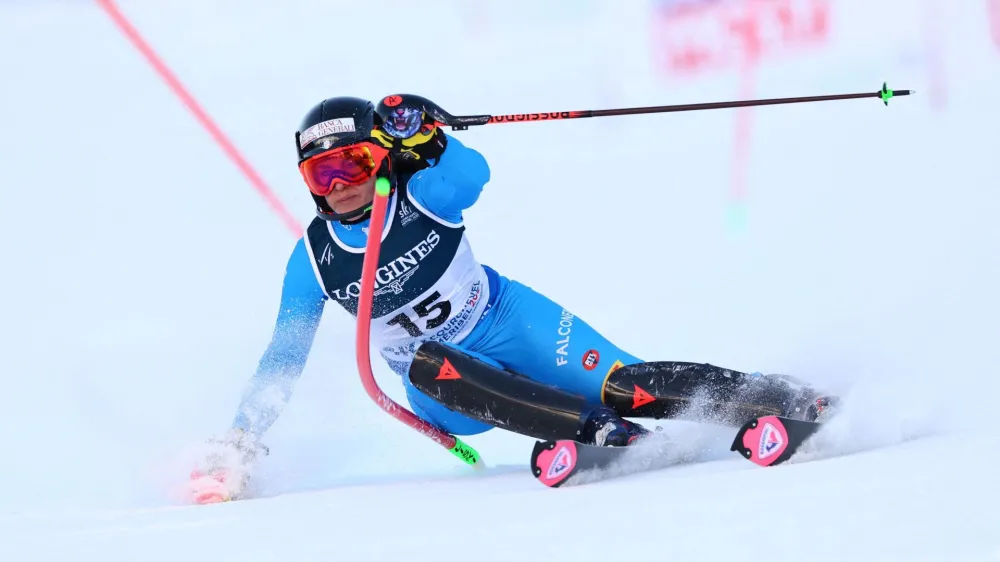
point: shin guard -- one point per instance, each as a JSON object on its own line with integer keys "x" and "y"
{"x": 497, "y": 397}
{"x": 674, "y": 389}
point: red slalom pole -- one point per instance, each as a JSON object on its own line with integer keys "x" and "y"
{"x": 175, "y": 85}
{"x": 365, "y": 302}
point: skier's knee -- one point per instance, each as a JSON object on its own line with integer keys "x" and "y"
{"x": 477, "y": 355}
{"x": 448, "y": 420}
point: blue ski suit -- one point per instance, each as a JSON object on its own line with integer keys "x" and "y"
{"x": 498, "y": 320}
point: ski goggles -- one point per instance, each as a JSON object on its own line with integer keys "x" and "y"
{"x": 349, "y": 165}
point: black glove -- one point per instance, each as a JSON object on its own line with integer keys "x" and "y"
{"x": 406, "y": 125}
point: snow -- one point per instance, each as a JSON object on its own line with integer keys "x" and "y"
{"x": 141, "y": 275}
{"x": 923, "y": 500}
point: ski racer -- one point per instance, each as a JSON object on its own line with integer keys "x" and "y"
{"x": 431, "y": 289}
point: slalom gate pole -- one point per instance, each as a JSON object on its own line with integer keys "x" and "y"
{"x": 365, "y": 301}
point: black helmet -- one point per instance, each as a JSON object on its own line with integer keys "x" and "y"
{"x": 335, "y": 123}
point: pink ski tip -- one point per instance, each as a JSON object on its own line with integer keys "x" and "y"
{"x": 557, "y": 464}
{"x": 767, "y": 441}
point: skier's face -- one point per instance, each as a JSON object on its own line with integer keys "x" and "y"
{"x": 346, "y": 198}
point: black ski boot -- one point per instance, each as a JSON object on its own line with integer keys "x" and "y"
{"x": 806, "y": 403}
{"x": 605, "y": 428}
{"x": 821, "y": 408}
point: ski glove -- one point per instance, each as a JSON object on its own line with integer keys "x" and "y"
{"x": 225, "y": 471}
{"x": 407, "y": 128}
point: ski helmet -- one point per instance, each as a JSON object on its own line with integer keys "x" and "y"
{"x": 334, "y": 124}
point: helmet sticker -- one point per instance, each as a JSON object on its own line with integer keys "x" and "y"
{"x": 331, "y": 127}
{"x": 403, "y": 122}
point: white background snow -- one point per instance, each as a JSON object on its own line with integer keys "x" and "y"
{"x": 141, "y": 276}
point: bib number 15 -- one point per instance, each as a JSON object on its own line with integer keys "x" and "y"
{"x": 435, "y": 313}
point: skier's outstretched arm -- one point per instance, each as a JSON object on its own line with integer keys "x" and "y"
{"x": 453, "y": 183}
{"x": 299, "y": 314}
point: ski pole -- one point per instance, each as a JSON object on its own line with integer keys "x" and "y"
{"x": 462, "y": 122}
{"x": 365, "y": 301}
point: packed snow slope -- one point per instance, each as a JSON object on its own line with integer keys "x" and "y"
{"x": 141, "y": 276}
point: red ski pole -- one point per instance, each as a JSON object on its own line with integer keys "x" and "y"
{"x": 365, "y": 301}
{"x": 462, "y": 122}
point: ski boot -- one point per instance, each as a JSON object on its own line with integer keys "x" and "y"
{"x": 821, "y": 408}
{"x": 605, "y": 428}
{"x": 806, "y": 403}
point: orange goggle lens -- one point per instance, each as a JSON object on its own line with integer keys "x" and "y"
{"x": 350, "y": 165}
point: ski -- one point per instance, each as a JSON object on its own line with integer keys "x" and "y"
{"x": 554, "y": 462}
{"x": 772, "y": 440}
{"x": 566, "y": 462}
{"x": 765, "y": 441}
